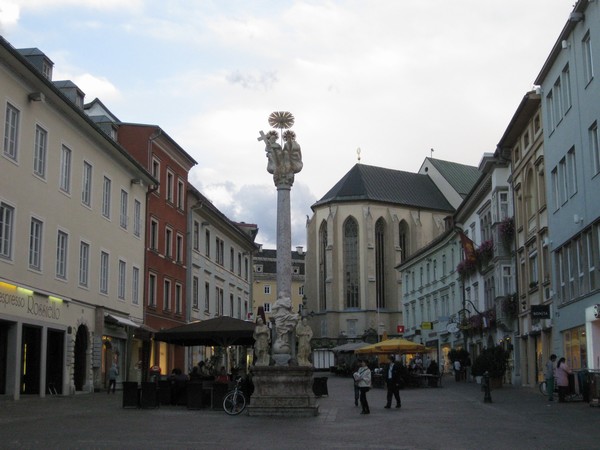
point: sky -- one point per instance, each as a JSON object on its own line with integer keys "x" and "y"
{"x": 393, "y": 78}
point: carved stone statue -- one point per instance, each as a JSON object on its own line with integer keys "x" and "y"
{"x": 285, "y": 322}
{"x": 304, "y": 334}
{"x": 283, "y": 162}
{"x": 262, "y": 337}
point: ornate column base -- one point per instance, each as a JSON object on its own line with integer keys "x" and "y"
{"x": 283, "y": 391}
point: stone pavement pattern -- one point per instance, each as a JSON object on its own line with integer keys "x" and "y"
{"x": 451, "y": 417}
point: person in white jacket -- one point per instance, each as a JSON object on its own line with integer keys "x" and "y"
{"x": 363, "y": 378}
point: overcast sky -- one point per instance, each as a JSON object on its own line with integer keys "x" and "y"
{"x": 394, "y": 78}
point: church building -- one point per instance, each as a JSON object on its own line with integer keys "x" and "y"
{"x": 365, "y": 226}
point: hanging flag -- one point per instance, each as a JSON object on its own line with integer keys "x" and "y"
{"x": 468, "y": 247}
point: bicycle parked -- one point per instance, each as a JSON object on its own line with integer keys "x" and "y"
{"x": 235, "y": 400}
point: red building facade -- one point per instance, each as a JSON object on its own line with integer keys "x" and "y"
{"x": 166, "y": 236}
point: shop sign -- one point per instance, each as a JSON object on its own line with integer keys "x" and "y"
{"x": 426, "y": 325}
{"x": 540, "y": 311}
{"x": 400, "y": 329}
{"x": 15, "y": 301}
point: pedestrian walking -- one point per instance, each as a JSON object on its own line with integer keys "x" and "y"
{"x": 393, "y": 379}
{"x": 549, "y": 374}
{"x": 562, "y": 379}
{"x": 113, "y": 373}
{"x": 355, "y": 368}
{"x": 363, "y": 377}
{"x": 457, "y": 370}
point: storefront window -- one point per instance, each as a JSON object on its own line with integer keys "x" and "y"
{"x": 575, "y": 348}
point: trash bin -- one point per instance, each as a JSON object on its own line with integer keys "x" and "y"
{"x": 594, "y": 388}
{"x": 149, "y": 395}
{"x": 320, "y": 386}
{"x": 131, "y": 396}
{"x": 164, "y": 392}
{"x": 194, "y": 392}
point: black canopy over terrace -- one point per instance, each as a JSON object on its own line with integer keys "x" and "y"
{"x": 221, "y": 331}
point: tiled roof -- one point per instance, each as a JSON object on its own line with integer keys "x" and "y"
{"x": 370, "y": 183}
{"x": 460, "y": 176}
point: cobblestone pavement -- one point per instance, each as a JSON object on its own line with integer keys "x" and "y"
{"x": 451, "y": 417}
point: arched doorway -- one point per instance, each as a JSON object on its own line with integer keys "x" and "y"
{"x": 81, "y": 346}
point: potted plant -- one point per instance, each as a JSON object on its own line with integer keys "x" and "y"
{"x": 494, "y": 361}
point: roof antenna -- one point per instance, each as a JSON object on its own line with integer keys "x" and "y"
{"x": 358, "y": 154}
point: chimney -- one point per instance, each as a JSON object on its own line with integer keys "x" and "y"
{"x": 300, "y": 250}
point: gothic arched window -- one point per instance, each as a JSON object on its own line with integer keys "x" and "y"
{"x": 403, "y": 240}
{"x": 323, "y": 266}
{"x": 351, "y": 272}
{"x": 380, "y": 263}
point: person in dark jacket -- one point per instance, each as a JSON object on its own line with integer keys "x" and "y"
{"x": 393, "y": 378}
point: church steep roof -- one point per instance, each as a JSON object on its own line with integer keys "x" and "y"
{"x": 378, "y": 184}
{"x": 460, "y": 176}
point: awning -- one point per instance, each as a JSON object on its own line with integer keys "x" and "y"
{"x": 121, "y": 320}
{"x": 349, "y": 347}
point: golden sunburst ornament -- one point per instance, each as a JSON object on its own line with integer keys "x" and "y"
{"x": 281, "y": 119}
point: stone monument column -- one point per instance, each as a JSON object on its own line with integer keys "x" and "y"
{"x": 283, "y": 162}
{"x": 284, "y": 389}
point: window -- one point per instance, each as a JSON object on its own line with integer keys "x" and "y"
{"x": 246, "y": 269}
{"x": 206, "y": 297}
{"x": 258, "y": 268}
{"x": 104, "y": 273}
{"x": 562, "y": 173}
{"x": 86, "y": 184}
{"x": 231, "y": 305}
{"x": 219, "y": 301}
{"x": 137, "y": 218}
{"x": 300, "y": 290}
{"x": 152, "y": 290}
{"x": 267, "y": 307}
{"x": 179, "y": 248}
{"x": 195, "y": 292}
{"x": 572, "y": 172}
{"x": 588, "y": 66}
{"x": 595, "y": 147}
{"x": 169, "y": 186}
{"x": 579, "y": 245}
{"x": 351, "y": 259}
{"x": 35, "y": 244}
{"x": 557, "y": 102}
{"x": 122, "y": 279}
{"x": 178, "y": 294}
{"x": 403, "y": 240}
{"x": 231, "y": 259}
{"x": 267, "y": 289}
{"x": 220, "y": 250}
{"x": 507, "y": 277}
{"x": 154, "y": 235}
{"x": 207, "y": 244}
{"x": 380, "y": 263}
{"x": 196, "y": 236}
{"x": 84, "y": 263}
{"x": 106, "y": 198}
{"x": 65, "y": 169}
{"x": 533, "y": 266}
{"x": 180, "y": 194}
{"x": 555, "y": 188}
{"x": 135, "y": 286}
{"x": 11, "y": 132}
{"x": 168, "y": 242}
{"x": 124, "y": 201}
{"x": 323, "y": 266}
{"x": 550, "y": 110}
{"x": 167, "y": 295}
{"x": 239, "y": 265}
{"x": 502, "y": 207}
{"x": 566, "y": 92}
{"x": 156, "y": 172}
{"x": 239, "y": 307}
{"x": 40, "y": 151}
{"x": 591, "y": 259}
{"x": 62, "y": 244}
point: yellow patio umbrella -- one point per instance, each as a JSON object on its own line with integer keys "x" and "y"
{"x": 396, "y": 345}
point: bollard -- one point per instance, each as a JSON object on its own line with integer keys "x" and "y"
{"x": 485, "y": 381}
